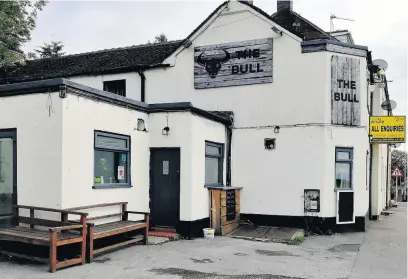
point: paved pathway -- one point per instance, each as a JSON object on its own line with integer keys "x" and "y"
{"x": 383, "y": 253}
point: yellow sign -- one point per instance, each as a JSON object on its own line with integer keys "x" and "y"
{"x": 387, "y": 129}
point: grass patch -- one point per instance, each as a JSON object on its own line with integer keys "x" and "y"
{"x": 297, "y": 240}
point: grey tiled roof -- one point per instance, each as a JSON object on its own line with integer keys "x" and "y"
{"x": 138, "y": 57}
{"x": 298, "y": 25}
{"x": 91, "y": 63}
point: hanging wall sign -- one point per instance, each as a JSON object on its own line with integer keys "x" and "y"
{"x": 345, "y": 90}
{"x": 239, "y": 63}
{"x": 387, "y": 129}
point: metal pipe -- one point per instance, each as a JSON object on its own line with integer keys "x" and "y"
{"x": 228, "y": 163}
{"x": 371, "y": 70}
{"x": 142, "y": 86}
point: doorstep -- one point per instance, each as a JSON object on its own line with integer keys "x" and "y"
{"x": 159, "y": 237}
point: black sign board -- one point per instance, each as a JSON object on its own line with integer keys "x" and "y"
{"x": 231, "y": 205}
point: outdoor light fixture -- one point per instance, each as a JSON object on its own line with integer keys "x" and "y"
{"x": 141, "y": 125}
{"x": 276, "y": 30}
{"x": 270, "y": 144}
{"x": 276, "y": 129}
{"x": 165, "y": 131}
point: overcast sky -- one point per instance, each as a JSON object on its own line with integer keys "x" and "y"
{"x": 92, "y": 25}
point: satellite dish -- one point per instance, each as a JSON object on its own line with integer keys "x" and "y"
{"x": 382, "y": 64}
{"x": 389, "y": 105}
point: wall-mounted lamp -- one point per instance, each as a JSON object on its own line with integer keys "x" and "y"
{"x": 276, "y": 129}
{"x": 165, "y": 131}
{"x": 276, "y": 30}
{"x": 141, "y": 125}
{"x": 270, "y": 144}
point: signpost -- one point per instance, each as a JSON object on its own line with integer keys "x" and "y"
{"x": 387, "y": 129}
{"x": 396, "y": 173}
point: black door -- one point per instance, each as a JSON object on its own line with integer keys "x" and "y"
{"x": 345, "y": 210}
{"x": 165, "y": 187}
{"x": 8, "y": 173}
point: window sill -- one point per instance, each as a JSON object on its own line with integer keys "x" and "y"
{"x": 111, "y": 186}
{"x": 221, "y": 187}
{"x": 213, "y": 185}
{"x": 343, "y": 189}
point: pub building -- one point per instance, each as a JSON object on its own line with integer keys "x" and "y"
{"x": 262, "y": 119}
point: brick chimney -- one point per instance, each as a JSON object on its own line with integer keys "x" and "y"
{"x": 283, "y": 5}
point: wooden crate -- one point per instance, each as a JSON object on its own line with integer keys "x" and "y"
{"x": 224, "y": 209}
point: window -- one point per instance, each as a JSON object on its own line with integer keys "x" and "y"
{"x": 214, "y": 157}
{"x": 115, "y": 86}
{"x": 112, "y": 160}
{"x": 344, "y": 168}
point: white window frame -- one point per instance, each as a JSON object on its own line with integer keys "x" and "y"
{"x": 113, "y": 149}
{"x": 350, "y": 161}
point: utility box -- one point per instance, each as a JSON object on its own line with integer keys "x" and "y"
{"x": 224, "y": 209}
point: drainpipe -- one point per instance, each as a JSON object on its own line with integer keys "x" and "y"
{"x": 370, "y": 215}
{"x": 229, "y": 140}
{"x": 142, "y": 86}
{"x": 371, "y": 69}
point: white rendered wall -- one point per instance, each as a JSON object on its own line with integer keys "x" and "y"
{"x": 179, "y": 136}
{"x": 189, "y": 133}
{"x": 132, "y": 82}
{"x": 379, "y": 167}
{"x": 273, "y": 181}
{"x": 355, "y": 137}
{"x": 203, "y": 130}
{"x": 37, "y": 118}
{"x": 299, "y": 94}
{"x": 81, "y": 117}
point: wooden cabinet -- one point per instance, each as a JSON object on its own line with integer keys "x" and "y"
{"x": 224, "y": 209}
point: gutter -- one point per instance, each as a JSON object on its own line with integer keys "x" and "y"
{"x": 136, "y": 68}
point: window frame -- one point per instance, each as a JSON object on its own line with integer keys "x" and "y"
{"x": 220, "y": 161}
{"x": 350, "y": 161}
{"x": 128, "y": 184}
{"x": 105, "y": 82}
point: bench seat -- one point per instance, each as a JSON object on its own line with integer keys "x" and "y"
{"x": 109, "y": 229}
{"x": 45, "y": 232}
{"x": 37, "y": 236}
{"x": 117, "y": 227}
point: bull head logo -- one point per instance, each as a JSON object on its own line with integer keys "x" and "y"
{"x": 213, "y": 64}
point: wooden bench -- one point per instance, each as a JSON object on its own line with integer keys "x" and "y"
{"x": 46, "y": 232}
{"x": 113, "y": 228}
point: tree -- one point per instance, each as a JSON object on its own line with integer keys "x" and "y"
{"x": 52, "y": 49}
{"x": 161, "y": 38}
{"x": 17, "y": 20}
{"x": 399, "y": 160}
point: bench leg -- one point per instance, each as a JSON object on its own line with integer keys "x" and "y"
{"x": 89, "y": 247}
{"x": 146, "y": 234}
{"x": 84, "y": 240}
{"x": 53, "y": 252}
